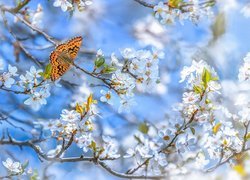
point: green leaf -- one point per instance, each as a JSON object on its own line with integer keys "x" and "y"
{"x": 99, "y": 62}
{"x": 206, "y": 77}
{"x": 198, "y": 89}
{"x": 174, "y": 3}
{"x": 93, "y": 146}
{"x": 47, "y": 72}
{"x": 34, "y": 176}
{"x": 219, "y": 26}
{"x": 214, "y": 78}
{"x": 143, "y": 127}
{"x": 212, "y": 3}
{"x": 25, "y": 165}
{"x": 247, "y": 137}
{"x": 108, "y": 69}
{"x": 192, "y": 130}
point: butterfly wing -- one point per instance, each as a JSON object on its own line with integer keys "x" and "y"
{"x": 64, "y": 53}
{"x": 74, "y": 46}
{"x": 59, "y": 66}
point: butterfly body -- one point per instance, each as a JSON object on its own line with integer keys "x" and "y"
{"x": 63, "y": 56}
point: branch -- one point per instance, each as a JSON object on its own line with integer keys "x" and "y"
{"x": 100, "y": 162}
{"x": 18, "y": 42}
{"x": 26, "y": 91}
{"x": 127, "y": 176}
{"x": 145, "y": 4}
{"x": 20, "y": 6}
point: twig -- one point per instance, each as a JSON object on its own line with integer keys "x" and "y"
{"x": 12, "y": 141}
{"x": 145, "y": 4}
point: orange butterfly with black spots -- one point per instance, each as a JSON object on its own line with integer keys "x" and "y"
{"x": 63, "y": 56}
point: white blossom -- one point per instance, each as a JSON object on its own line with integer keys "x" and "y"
{"x": 37, "y": 99}
{"x": 33, "y": 73}
{"x": 246, "y": 10}
{"x": 106, "y": 97}
{"x": 129, "y": 153}
{"x": 70, "y": 116}
{"x": 126, "y": 104}
{"x": 64, "y": 4}
{"x": 13, "y": 167}
{"x": 190, "y": 97}
{"x": 1, "y": 64}
{"x": 7, "y": 78}
{"x": 84, "y": 141}
{"x": 37, "y": 17}
{"x": 54, "y": 152}
{"x": 244, "y": 72}
{"x": 110, "y": 148}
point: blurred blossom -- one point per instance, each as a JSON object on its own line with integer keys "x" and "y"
{"x": 194, "y": 12}
{"x": 201, "y": 161}
{"x": 64, "y": 4}
{"x": 84, "y": 3}
{"x": 246, "y": 10}
{"x": 1, "y": 64}
{"x": 228, "y": 5}
{"x": 115, "y": 61}
{"x": 13, "y": 167}
{"x": 150, "y": 32}
{"x": 129, "y": 153}
{"x": 244, "y": 113}
{"x": 37, "y": 16}
{"x": 126, "y": 104}
{"x": 99, "y": 53}
{"x": 81, "y": 95}
{"x": 53, "y": 152}
{"x": 244, "y": 72}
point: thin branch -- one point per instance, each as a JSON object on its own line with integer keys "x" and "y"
{"x": 145, "y": 3}
{"x": 31, "y": 144}
{"x": 127, "y": 176}
{"x": 20, "y": 6}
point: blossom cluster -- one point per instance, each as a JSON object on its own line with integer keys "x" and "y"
{"x": 140, "y": 71}
{"x": 16, "y": 168}
{"x": 34, "y": 17}
{"x": 32, "y": 84}
{"x": 202, "y": 85}
{"x": 243, "y": 99}
{"x": 148, "y": 149}
{"x": 78, "y": 124}
{"x": 178, "y": 135}
{"x": 218, "y": 137}
{"x": 69, "y": 6}
{"x": 168, "y": 12}
{"x": 200, "y": 108}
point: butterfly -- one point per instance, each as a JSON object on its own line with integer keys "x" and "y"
{"x": 63, "y": 56}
